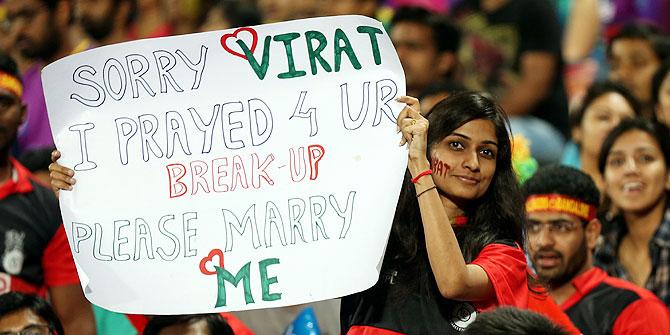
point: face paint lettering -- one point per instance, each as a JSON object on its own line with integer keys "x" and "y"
{"x": 439, "y": 167}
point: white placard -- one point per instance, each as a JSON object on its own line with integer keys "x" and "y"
{"x": 240, "y": 169}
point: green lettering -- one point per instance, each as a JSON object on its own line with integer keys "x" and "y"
{"x": 340, "y": 36}
{"x": 223, "y": 276}
{"x": 292, "y": 72}
{"x": 372, "y": 33}
{"x": 266, "y": 282}
{"x": 315, "y": 55}
{"x": 261, "y": 69}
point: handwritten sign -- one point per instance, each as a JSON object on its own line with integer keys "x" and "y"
{"x": 249, "y": 168}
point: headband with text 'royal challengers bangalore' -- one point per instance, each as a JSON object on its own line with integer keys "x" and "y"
{"x": 11, "y": 83}
{"x": 560, "y": 203}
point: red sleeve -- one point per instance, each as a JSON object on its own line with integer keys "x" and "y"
{"x": 57, "y": 262}
{"x": 506, "y": 267}
{"x": 644, "y": 316}
{"x": 239, "y": 328}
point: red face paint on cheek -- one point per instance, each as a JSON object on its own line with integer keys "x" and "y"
{"x": 440, "y": 168}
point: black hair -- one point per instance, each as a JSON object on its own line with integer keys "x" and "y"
{"x": 656, "y": 130}
{"x": 595, "y": 91}
{"x": 446, "y": 36}
{"x": 216, "y": 324}
{"x": 497, "y": 215}
{"x": 657, "y": 80}
{"x": 15, "y": 301}
{"x": 513, "y": 321}
{"x": 644, "y": 31}
{"x": 8, "y": 65}
{"x": 563, "y": 180}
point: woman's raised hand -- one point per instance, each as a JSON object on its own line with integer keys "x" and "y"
{"x": 414, "y": 128}
{"x": 61, "y": 177}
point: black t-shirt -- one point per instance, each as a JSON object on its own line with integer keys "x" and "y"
{"x": 494, "y": 42}
{"x": 406, "y": 299}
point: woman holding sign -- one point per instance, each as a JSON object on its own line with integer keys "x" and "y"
{"x": 455, "y": 246}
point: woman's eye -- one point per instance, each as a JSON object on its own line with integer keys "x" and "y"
{"x": 456, "y": 145}
{"x": 647, "y": 158}
{"x": 615, "y": 162}
{"x": 603, "y": 117}
{"x": 488, "y": 153}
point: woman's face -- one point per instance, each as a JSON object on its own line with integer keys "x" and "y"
{"x": 663, "y": 107}
{"x": 636, "y": 174}
{"x": 600, "y": 117}
{"x": 633, "y": 63}
{"x": 464, "y": 162}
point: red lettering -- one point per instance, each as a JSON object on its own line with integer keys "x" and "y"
{"x": 198, "y": 171}
{"x": 258, "y": 171}
{"x": 316, "y": 152}
{"x": 175, "y": 173}
{"x": 219, "y": 173}
{"x": 239, "y": 173}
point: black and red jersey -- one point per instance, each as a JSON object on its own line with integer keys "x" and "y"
{"x": 406, "y": 299}
{"x": 606, "y": 305}
{"x": 34, "y": 251}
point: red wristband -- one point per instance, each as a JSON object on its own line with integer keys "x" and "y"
{"x": 424, "y": 173}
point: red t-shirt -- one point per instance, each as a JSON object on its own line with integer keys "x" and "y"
{"x": 35, "y": 250}
{"x": 506, "y": 268}
{"x": 620, "y": 307}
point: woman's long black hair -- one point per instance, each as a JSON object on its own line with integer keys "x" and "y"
{"x": 497, "y": 215}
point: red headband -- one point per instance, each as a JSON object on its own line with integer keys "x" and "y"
{"x": 560, "y": 203}
{"x": 11, "y": 83}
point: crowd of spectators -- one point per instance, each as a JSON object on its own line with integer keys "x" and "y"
{"x": 585, "y": 82}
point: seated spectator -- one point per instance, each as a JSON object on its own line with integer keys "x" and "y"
{"x": 513, "y": 321}
{"x": 634, "y": 54}
{"x": 195, "y": 324}
{"x": 636, "y": 246}
{"x": 105, "y": 21}
{"x": 43, "y": 35}
{"x": 426, "y": 45}
{"x": 603, "y": 107}
{"x": 36, "y": 256}
{"x": 661, "y": 93}
{"x": 562, "y": 231}
{"x": 27, "y": 314}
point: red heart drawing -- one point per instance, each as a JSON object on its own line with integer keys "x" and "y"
{"x": 254, "y": 36}
{"x": 210, "y": 258}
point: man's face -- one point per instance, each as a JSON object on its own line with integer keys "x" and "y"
{"x": 11, "y": 116}
{"x": 38, "y": 36}
{"x": 24, "y": 320}
{"x": 96, "y": 17}
{"x": 557, "y": 245}
{"x": 417, "y": 52}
